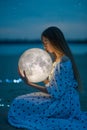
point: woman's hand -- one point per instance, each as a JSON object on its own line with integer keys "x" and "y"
{"x": 19, "y": 72}
{"x": 46, "y": 81}
{"x": 26, "y": 80}
{"x": 24, "y": 77}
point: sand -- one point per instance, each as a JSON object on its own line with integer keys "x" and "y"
{"x": 9, "y": 91}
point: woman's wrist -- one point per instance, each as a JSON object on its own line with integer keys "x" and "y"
{"x": 41, "y": 88}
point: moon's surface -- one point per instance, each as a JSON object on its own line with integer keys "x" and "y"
{"x": 36, "y": 63}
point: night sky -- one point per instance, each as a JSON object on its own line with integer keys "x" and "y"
{"x": 26, "y": 19}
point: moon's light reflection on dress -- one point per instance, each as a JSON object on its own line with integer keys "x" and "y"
{"x": 37, "y": 64}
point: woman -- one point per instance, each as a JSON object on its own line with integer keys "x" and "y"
{"x": 57, "y": 106}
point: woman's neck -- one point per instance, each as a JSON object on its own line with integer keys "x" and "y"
{"x": 58, "y": 57}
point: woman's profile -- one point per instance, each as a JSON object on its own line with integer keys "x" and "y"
{"x": 57, "y": 106}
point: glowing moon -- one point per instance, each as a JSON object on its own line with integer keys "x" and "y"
{"x": 37, "y": 64}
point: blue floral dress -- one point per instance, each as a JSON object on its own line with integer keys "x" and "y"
{"x": 57, "y": 110}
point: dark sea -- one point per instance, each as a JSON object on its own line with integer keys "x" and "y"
{"x": 18, "y": 48}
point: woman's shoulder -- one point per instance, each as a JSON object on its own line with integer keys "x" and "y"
{"x": 64, "y": 59}
{"x": 64, "y": 63}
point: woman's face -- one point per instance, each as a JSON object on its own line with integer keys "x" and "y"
{"x": 47, "y": 45}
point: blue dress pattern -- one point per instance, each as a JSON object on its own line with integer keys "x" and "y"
{"x": 57, "y": 110}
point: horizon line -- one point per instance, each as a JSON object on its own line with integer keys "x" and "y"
{"x": 39, "y": 41}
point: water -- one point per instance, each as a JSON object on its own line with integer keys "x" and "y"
{"x": 19, "y": 48}
{"x": 78, "y": 48}
{"x": 14, "y": 49}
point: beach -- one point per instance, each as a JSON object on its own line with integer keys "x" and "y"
{"x": 10, "y": 90}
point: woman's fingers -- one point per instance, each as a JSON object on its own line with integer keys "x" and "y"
{"x": 26, "y": 78}
{"x": 21, "y": 75}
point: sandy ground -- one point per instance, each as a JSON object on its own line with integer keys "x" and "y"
{"x": 9, "y": 91}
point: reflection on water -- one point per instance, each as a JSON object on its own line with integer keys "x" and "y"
{"x": 11, "y": 81}
{"x": 2, "y": 104}
{"x": 8, "y": 81}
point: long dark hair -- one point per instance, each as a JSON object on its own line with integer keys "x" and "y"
{"x": 58, "y": 41}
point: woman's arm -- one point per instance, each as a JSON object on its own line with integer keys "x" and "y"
{"x": 26, "y": 80}
{"x": 41, "y": 88}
